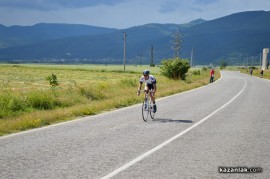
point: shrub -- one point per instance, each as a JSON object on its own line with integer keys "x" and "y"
{"x": 91, "y": 92}
{"x": 175, "y": 68}
{"x": 253, "y": 68}
{"x": 196, "y": 72}
{"x": 41, "y": 100}
{"x": 53, "y": 81}
{"x": 204, "y": 69}
{"x": 16, "y": 104}
{"x": 11, "y": 104}
{"x": 223, "y": 64}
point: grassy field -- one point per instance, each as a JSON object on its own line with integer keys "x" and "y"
{"x": 256, "y": 72}
{"x": 266, "y": 73}
{"x": 28, "y": 101}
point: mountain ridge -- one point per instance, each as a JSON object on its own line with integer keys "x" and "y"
{"x": 24, "y": 35}
{"x": 236, "y": 35}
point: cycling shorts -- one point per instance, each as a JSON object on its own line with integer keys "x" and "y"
{"x": 150, "y": 86}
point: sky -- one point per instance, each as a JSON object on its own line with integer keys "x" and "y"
{"x": 120, "y": 14}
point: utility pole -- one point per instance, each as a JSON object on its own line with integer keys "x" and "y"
{"x": 191, "y": 58}
{"x": 125, "y": 36}
{"x": 140, "y": 57}
{"x": 260, "y": 60}
{"x": 152, "y": 55}
{"x": 177, "y": 43}
{"x": 264, "y": 58}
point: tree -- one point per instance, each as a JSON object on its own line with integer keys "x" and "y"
{"x": 175, "y": 68}
{"x": 53, "y": 81}
{"x": 223, "y": 64}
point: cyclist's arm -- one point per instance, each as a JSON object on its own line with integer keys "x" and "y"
{"x": 139, "y": 89}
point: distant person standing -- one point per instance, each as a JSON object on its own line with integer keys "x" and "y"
{"x": 261, "y": 73}
{"x": 251, "y": 71}
{"x": 212, "y": 72}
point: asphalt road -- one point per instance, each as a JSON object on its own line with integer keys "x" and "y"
{"x": 224, "y": 124}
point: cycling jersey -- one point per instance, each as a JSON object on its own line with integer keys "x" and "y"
{"x": 151, "y": 80}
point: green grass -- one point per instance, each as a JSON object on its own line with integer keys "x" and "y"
{"x": 266, "y": 73}
{"x": 256, "y": 72}
{"x": 27, "y": 100}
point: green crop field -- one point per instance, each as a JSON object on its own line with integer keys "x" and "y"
{"x": 27, "y": 100}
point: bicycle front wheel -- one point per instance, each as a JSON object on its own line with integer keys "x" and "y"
{"x": 152, "y": 114}
{"x": 145, "y": 111}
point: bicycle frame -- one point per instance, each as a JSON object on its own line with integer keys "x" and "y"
{"x": 147, "y": 107}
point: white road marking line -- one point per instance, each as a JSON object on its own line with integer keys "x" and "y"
{"x": 131, "y": 163}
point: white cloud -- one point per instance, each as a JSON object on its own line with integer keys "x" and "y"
{"x": 205, "y": 2}
{"x": 55, "y": 4}
{"x": 169, "y": 7}
{"x": 121, "y": 13}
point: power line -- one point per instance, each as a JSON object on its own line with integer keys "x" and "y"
{"x": 152, "y": 55}
{"x": 125, "y": 36}
{"x": 177, "y": 43}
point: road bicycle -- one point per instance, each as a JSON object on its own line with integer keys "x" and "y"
{"x": 147, "y": 106}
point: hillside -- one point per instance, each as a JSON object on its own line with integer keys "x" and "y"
{"x": 23, "y": 35}
{"x": 237, "y": 35}
{"x": 96, "y": 48}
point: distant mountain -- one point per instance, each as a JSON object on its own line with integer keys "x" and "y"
{"x": 95, "y": 47}
{"x": 23, "y": 35}
{"x": 195, "y": 22}
{"x": 236, "y": 35}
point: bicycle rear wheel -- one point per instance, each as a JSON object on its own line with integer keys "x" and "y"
{"x": 145, "y": 112}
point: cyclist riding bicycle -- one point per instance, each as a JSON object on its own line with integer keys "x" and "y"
{"x": 150, "y": 83}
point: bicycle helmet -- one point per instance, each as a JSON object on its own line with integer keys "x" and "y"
{"x": 146, "y": 72}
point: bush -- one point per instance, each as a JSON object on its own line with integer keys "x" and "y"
{"x": 53, "y": 81}
{"x": 175, "y": 68}
{"x": 223, "y": 65}
{"x": 11, "y": 105}
{"x": 41, "y": 100}
{"x": 196, "y": 72}
{"x": 92, "y": 93}
{"x": 204, "y": 69}
{"x": 253, "y": 68}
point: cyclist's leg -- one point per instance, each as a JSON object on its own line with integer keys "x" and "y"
{"x": 154, "y": 103}
{"x": 146, "y": 90}
{"x": 153, "y": 98}
{"x": 150, "y": 87}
